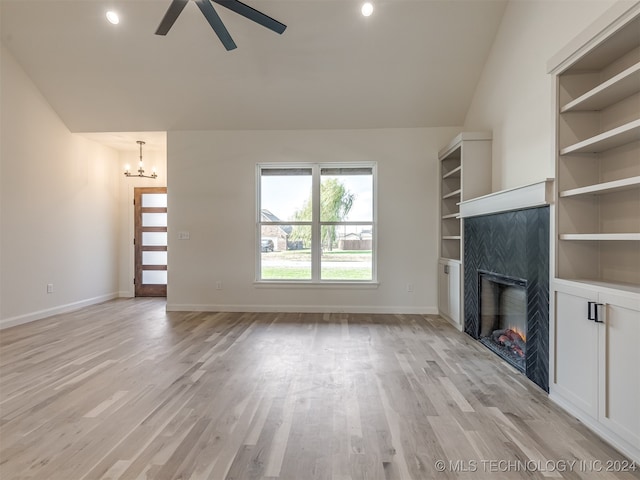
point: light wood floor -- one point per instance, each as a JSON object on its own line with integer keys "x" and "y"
{"x": 124, "y": 390}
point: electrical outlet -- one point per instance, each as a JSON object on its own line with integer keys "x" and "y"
{"x": 218, "y": 285}
{"x": 49, "y": 287}
{"x": 409, "y": 287}
{"x": 184, "y": 235}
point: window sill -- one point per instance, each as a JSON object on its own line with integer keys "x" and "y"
{"x": 324, "y": 285}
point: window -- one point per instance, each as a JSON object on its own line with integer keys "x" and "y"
{"x": 316, "y": 223}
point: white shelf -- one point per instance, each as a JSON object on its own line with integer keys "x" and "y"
{"x": 451, "y": 237}
{"x": 602, "y": 188}
{"x": 601, "y": 236}
{"x": 625, "y": 287}
{"x": 455, "y": 193}
{"x": 453, "y": 173}
{"x": 453, "y": 215}
{"x": 616, "y": 137}
{"x": 612, "y": 91}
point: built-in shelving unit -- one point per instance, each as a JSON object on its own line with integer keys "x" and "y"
{"x": 465, "y": 173}
{"x": 595, "y": 297}
{"x": 598, "y": 160}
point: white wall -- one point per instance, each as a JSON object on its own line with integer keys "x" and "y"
{"x": 513, "y": 97}
{"x": 58, "y": 208}
{"x": 151, "y": 158}
{"x": 212, "y": 195}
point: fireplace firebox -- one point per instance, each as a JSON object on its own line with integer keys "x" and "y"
{"x": 502, "y": 325}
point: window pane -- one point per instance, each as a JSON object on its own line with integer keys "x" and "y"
{"x": 154, "y": 258}
{"x": 285, "y": 194}
{"x": 154, "y": 277}
{"x": 347, "y": 252}
{"x": 154, "y": 219}
{"x": 346, "y": 194}
{"x": 154, "y": 239}
{"x": 285, "y": 252}
{"x": 154, "y": 200}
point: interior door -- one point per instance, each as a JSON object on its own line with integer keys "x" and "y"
{"x": 150, "y": 242}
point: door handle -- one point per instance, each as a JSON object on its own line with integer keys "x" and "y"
{"x": 596, "y": 310}
{"x": 593, "y": 312}
{"x": 446, "y": 269}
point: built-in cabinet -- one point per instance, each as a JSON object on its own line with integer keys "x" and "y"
{"x": 597, "y": 360}
{"x": 595, "y": 329}
{"x": 449, "y": 281}
{"x": 465, "y": 173}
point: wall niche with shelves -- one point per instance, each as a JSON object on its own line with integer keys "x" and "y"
{"x": 598, "y": 161}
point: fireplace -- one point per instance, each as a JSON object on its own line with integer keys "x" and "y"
{"x": 512, "y": 250}
{"x": 502, "y": 326}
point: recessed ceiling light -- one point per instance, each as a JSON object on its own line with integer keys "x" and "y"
{"x": 367, "y": 9}
{"x": 113, "y": 17}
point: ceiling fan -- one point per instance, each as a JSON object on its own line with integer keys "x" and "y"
{"x": 214, "y": 20}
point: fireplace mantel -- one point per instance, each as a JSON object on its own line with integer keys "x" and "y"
{"x": 527, "y": 196}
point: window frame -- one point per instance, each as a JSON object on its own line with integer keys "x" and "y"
{"x": 315, "y": 223}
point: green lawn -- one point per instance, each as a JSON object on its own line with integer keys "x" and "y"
{"x": 286, "y": 273}
{"x": 301, "y": 273}
{"x": 295, "y": 265}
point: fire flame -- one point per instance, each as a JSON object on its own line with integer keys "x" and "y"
{"x": 522, "y": 334}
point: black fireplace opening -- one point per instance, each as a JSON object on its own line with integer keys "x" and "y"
{"x": 502, "y": 325}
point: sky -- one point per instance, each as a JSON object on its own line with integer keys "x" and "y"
{"x": 283, "y": 195}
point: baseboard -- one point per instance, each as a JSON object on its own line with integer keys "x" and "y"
{"x": 596, "y": 427}
{"x": 178, "y": 307}
{"x": 456, "y": 325}
{"x": 40, "y": 314}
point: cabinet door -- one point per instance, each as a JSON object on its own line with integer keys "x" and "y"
{"x": 576, "y": 349}
{"x": 620, "y": 366}
{"x": 443, "y": 289}
{"x": 454, "y": 292}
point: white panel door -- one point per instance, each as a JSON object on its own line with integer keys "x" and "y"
{"x": 454, "y": 292}
{"x": 576, "y": 349}
{"x": 443, "y": 289}
{"x": 620, "y": 366}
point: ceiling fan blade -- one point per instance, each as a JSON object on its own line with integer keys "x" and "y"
{"x": 170, "y": 17}
{"x": 216, "y": 23}
{"x": 253, "y": 14}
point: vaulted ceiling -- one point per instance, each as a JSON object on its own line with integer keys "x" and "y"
{"x": 413, "y": 63}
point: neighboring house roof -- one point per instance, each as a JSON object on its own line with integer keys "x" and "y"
{"x": 350, "y": 236}
{"x": 270, "y": 217}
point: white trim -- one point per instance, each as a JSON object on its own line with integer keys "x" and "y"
{"x": 519, "y": 198}
{"x": 466, "y": 136}
{"x": 69, "y": 307}
{"x": 592, "y": 424}
{"x": 315, "y": 223}
{"x": 618, "y": 15}
{"x": 324, "y": 284}
{"x": 178, "y": 307}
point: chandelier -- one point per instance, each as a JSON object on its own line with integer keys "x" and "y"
{"x": 140, "y": 173}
